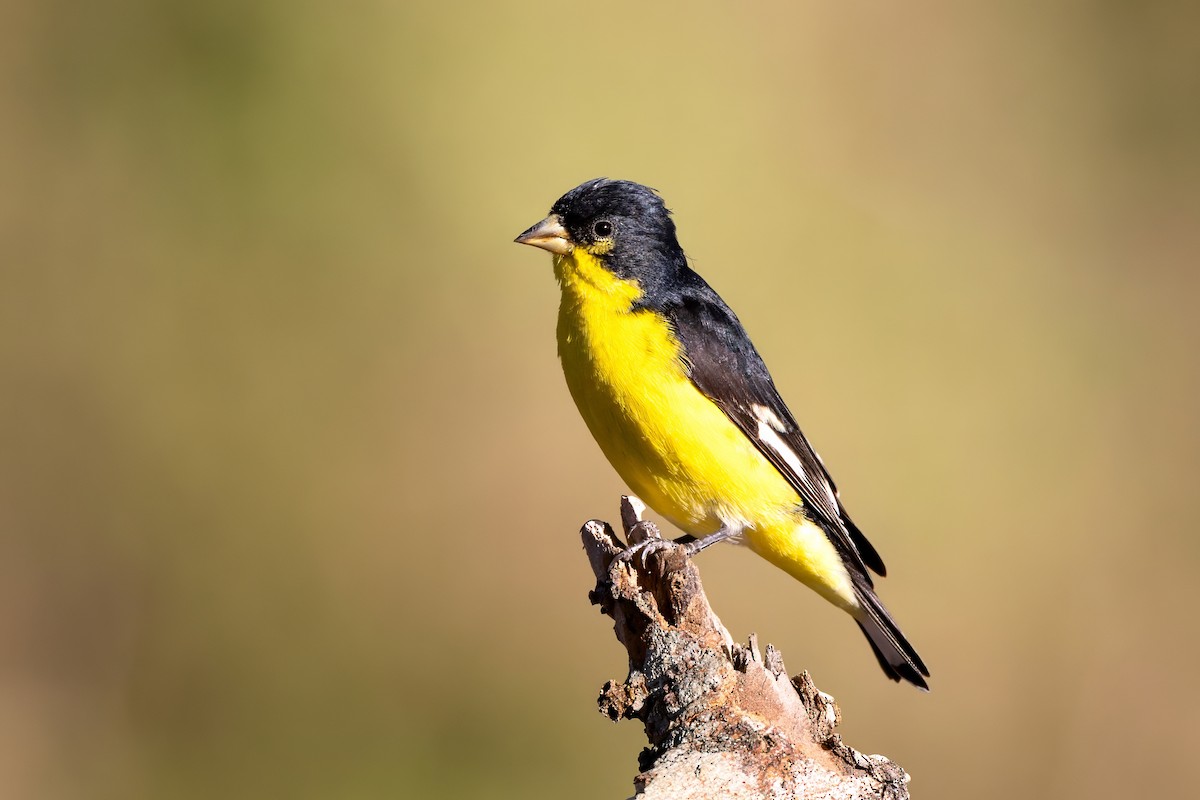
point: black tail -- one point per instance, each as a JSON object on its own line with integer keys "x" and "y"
{"x": 897, "y": 657}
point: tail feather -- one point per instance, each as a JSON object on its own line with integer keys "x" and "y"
{"x": 897, "y": 657}
{"x": 870, "y": 555}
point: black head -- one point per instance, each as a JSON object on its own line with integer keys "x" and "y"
{"x": 622, "y": 224}
{"x": 607, "y": 210}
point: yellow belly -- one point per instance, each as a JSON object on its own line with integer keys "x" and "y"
{"x": 673, "y": 446}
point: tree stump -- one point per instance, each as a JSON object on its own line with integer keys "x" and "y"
{"x": 722, "y": 720}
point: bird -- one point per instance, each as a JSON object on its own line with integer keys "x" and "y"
{"x": 682, "y": 405}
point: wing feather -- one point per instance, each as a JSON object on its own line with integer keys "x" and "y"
{"x": 723, "y": 364}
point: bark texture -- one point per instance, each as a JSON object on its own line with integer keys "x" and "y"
{"x": 722, "y": 719}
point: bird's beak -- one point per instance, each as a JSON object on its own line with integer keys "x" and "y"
{"x": 549, "y": 234}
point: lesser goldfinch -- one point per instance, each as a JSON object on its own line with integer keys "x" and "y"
{"x": 682, "y": 405}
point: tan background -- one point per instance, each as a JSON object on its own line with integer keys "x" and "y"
{"x": 280, "y": 416}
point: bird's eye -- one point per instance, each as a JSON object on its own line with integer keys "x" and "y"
{"x": 602, "y": 229}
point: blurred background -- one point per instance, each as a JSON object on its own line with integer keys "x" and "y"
{"x": 290, "y": 483}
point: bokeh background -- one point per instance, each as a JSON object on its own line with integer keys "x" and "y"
{"x": 289, "y": 480}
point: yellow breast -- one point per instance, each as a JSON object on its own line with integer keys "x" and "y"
{"x": 672, "y": 445}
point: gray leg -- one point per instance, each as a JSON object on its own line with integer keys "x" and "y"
{"x": 697, "y": 545}
{"x": 691, "y": 545}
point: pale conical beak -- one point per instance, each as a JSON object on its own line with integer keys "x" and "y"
{"x": 549, "y": 234}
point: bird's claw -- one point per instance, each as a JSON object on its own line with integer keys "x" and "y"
{"x": 651, "y": 547}
{"x": 645, "y": 548}
{"x": 643, "y": 534}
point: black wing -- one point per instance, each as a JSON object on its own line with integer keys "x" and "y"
{"x": 724, "y": 365}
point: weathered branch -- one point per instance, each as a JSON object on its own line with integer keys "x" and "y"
{"x": 722, "y": 720}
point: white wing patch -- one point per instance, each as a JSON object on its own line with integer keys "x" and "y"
{"x": 764, "y": 414}
{"x": 769, "y": 428}
{"x": 771, "y": 439}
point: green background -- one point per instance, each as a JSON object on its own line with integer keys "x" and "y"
{"x": 289, "y": 479}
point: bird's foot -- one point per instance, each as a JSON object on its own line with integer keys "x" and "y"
{"x": 644, "y": 537}
{"x": 642, "y": 534}
{"x": 645, "y": 548}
